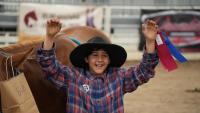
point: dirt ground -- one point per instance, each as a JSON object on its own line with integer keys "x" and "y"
{"x": 168, "y": 92}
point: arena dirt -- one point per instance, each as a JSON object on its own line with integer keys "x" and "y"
{"x": 168, "y": 92}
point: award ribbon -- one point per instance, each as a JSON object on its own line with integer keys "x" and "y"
{"x": 164, "y": 53}
{"x": 173, "y": 50}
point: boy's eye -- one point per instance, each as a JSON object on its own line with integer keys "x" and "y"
{"x": 105, "y": 55}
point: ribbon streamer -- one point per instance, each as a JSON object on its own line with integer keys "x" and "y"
{"x": 173, "y": 50}
{"x": 164, "y": 53}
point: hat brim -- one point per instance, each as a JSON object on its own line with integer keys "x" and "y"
{"x": 117, "y": 54}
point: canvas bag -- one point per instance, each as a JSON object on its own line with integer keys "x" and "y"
{"x": 16, "y": 96}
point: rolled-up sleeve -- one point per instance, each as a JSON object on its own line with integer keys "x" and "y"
{"x": 139, "y": 74}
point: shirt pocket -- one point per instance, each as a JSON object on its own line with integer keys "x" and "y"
{"x": 100, "y": 105}
{"x": 102, "y": 102}
{"x": 106, "y": 100}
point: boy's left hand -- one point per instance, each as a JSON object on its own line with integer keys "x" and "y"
{"x": 150, "y": 30}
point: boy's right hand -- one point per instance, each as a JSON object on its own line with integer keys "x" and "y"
{"x": 53, "y": 27}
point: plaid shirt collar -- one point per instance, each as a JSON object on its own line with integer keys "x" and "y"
{"x": 93, "y": 77}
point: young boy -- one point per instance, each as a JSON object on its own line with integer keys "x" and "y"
{"x": 96, "y": 83}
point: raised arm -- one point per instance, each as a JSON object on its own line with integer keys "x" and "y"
{"x": 55, "y": 72}
{"x": 137, "y": 75}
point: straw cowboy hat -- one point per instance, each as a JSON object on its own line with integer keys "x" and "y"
{"x": 117, "y": 54}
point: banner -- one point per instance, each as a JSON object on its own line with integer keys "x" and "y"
{"x": 182, "y": 26}
{"x": 33, "y": 17}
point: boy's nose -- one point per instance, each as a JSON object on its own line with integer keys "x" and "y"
{"x": 99, "y": 58}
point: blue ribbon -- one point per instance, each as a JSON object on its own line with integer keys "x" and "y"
{"x": 173, "y": 50}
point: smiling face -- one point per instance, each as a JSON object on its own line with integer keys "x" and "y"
{"x": 98, "y": 61}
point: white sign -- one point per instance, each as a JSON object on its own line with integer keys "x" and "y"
{"x": 33, "y": 17}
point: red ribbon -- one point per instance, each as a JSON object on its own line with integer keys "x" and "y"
{"x": 164, "y": 53}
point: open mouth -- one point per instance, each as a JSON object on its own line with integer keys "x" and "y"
{"x": 99, "y": 65}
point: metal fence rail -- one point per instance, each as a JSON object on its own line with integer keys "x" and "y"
{"x": 7, "y": 39}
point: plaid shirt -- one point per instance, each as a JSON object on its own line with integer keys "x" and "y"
{"x": 91, "y": 94}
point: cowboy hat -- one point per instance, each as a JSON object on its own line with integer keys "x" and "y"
{"x": 117, "y": 54}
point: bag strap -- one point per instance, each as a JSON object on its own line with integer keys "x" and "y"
{"x": 11, "y": 64}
